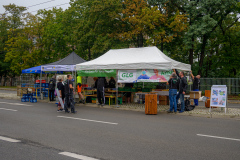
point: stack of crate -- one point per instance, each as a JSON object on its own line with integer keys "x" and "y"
{"x": 163, "y": 100}
{"x": 207, "y": 94}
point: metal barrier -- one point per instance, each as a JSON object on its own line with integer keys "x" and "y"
{"x": 233, "y": 84}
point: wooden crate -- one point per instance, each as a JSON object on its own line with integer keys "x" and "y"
{"x": 150, "y": 104}
{"x": 164, "y": 102}
{"x": 208, "y": 93}
{"x": 163, "y": 98}
{"x": 207, "y": 104}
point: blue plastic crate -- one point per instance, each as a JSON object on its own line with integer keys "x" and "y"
{"x": 23, "y": 100}
{"x": 33, "y": 100}
{"x": 23, "y": 85}
{"x": 43, "y": 84}
{"x": 34, "y": 94}
{"x": 45, "y": 95}
{"x": 24, "y": 96}
{"x": 46, "y": 85}
{"x": 26, "y": 99}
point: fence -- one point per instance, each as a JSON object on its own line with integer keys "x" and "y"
{"x": 233, "y": 84}
{"x": 6, "y": 81}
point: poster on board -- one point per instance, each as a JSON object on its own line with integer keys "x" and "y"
{"x": 144, "y": 75}
{"x": 218, "y": 96}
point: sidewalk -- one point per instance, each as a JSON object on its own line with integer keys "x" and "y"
{"x": 233, "y": 109}
{"x": 8, "y": 89}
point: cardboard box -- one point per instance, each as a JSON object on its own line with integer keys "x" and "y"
{"x": 195, "y": 94}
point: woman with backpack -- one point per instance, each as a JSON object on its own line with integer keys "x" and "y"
{"x": 173, "y": 86}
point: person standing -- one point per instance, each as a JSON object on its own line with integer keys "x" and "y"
{"x": 101, "y": 84}
{"x": 182, "y": 89}
{"x": 52, "y": 85}
{"x": 69, "y": 91}
{"x": 128, "y": 94}
{"x": 60, "y": 87}
{"x": 173, "y": 86}
{"x": 112, "y": 83}
{"x": 196, "y": 83}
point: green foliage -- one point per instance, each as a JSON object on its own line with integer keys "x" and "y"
{"x": 203, "y": 33}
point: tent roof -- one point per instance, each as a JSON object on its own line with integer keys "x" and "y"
{"x": 133, "y": 58}
{"x": 36, "y": 69}
{"x": 71, "y": 59}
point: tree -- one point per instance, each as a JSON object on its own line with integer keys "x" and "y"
{"x": 204, "y": 18}
{"x": 95, "y": 22}
{"x": 4, "y": 25}
{"x": 146, "y": 24}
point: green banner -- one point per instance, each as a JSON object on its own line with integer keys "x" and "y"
{"x": 98, "y": 73}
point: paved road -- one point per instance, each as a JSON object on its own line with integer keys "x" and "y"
{"x": 111, "y": 134}
{"x": 7, "y": 91}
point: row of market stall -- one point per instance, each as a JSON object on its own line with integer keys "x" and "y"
{"x": 131, "y": 65}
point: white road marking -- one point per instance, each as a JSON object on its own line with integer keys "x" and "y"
{"x": 232, "y": 139}
{"x": 87, "y": 120}
{"x": 9, "y": 139}
{"x": 77, "y": 156}
{"x": 8, "y": 109}
{"x": 17, "y": 104}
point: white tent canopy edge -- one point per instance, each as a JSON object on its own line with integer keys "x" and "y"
{"x": 134, "y": 58}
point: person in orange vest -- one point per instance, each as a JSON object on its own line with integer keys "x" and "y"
{"x": 79, "y": 90}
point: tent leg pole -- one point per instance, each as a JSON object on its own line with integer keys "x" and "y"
{"x": 41, "y": 85}
{"x": 117, "y": 91}
{"x": 75, "y": 82}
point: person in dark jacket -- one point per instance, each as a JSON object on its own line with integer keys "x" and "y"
{"x": 182, "y": 89}
{"x": 196, "y": 83}
{"x": 52, "y": 85}
{"x": 69, "y": 92}
{"x": 101, "y": 84}
{"x": 173, "y": 86}
{"x": 112, "y": 83}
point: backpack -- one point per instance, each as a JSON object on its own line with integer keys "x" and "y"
{"x": 188, "y": 107}
{"x": 51, "y": 85}
{"x": 179, "y": 106}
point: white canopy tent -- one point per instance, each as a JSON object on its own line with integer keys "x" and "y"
{"x": 134, "y": 58}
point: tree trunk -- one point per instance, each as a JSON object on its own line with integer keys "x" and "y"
{"x": 162, "y": 44}
{"x": 202, "y": 54}
{"x": 191, "y": 53}
{"x": 89, "y": 53}
{"x": 140, "y": 40}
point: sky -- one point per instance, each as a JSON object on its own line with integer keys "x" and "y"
{"x": 34, "y": 5}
